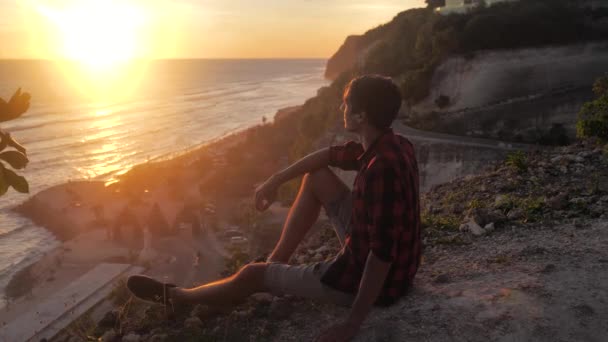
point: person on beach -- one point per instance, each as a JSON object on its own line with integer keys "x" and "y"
{"x": 377, "y": 222}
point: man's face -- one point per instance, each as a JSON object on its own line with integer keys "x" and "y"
{"x": 352, "y": 121}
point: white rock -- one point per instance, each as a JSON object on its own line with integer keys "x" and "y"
{"x": 515, "y": 214}
{"x": 262, "y": 297}
{"x": 158, "y": 338}
{"x": 472, "y": 227}
{"x": 489, "y": 227}
{"x": 322, "y": 249}
{"x": 301, "y": 259}
{"x": 193, "y": 323}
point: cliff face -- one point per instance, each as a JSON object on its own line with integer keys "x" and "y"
{"x": 495, "y": 76}
{"x": 515, "y": 94}
{"x": 345, "y": 58}
{"x": 541, "y": 56}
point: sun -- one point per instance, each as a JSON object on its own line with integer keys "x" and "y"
{"x": 99, "y": 34}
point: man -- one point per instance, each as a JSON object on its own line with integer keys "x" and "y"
{"x": 378, "y": 222}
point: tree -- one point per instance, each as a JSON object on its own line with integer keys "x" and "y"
{"x": 16, "y": 158}
{"x": 600, "y": 87}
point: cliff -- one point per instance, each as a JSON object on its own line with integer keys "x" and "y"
{"x": 539, "y": 57}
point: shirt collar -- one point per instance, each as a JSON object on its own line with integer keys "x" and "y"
{"x": 369, "y": 152}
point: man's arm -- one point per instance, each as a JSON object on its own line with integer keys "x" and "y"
{"x": 309, "y": 163}
{"x": 266, "y": 193}
{"x": 372, "y": 281}
{"x": 373, "y": 278}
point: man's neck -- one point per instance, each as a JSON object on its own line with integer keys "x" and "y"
{"x": 368, "y": 135}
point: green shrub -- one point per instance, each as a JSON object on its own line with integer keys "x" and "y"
{"x": 518, "y": 161}
{"x": 441, "y": 222}
{"x": 593, "y": 119}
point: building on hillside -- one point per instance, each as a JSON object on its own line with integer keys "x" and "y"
{"x": 463, "y": 6}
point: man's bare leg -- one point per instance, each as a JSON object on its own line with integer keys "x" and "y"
{"x": 232, "y": 290}
{"x": 320, "y": 187}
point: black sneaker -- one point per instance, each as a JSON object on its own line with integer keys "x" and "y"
{"x": 149, "y": 289}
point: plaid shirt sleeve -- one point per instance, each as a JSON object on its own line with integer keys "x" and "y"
{"x": 345, "y": 156}
{"x": 385, "y": 202}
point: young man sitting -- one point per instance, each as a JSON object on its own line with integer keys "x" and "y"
{"x": 377, "y": 223}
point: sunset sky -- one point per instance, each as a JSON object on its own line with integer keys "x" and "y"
{"x": 87, "y": 29}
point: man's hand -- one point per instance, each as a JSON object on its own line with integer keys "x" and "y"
{"x": 266, "y": 193}
{"x": 341, "y": 332}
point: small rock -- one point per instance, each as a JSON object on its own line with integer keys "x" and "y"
{"x": 442, "y": 279}
{"x": 578, "y": 201}
{"x": 472, "y": 227}
{"x": 548, "y": 268}
{"x": 322, "y": 249}
{"x": 515, "y": 214}
{"x": 301, "y": 259}
{"x": 159, "y": 338}
{"x": 558, "y": 202}
{"x": 131, "y": 337}
{"x": 108, "y": 336}
{"x": 489, "y": 227}
{"x": 556, "y": 160}
{"x": 318, "y": 257}
{"x": 262, "y": 297}
{"x": 193, "y": 323}
{"x": 584, "y": 310}
{"x": 201, "y": 311}
{"x": 597, "y": 210}
{"x": 242, "y": 313}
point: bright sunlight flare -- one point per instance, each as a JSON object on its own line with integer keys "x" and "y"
{"x": 97, "y": 33}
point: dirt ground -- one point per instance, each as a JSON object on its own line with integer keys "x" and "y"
{"x": 517, "y": 284}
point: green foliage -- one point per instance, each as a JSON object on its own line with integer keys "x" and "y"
{"x": 518, "y": 161}
{"x": 416, "y": 41}
{"x": 600, "y": 87}
{"x": 593, "y": 119}
{"x": 441, "y": 222}
{"x": 532, "y": 207}
{"x": 17, "y": 159}
{"x": 506, "y": 203}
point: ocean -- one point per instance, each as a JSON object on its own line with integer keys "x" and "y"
{"x": 94, "y": 126}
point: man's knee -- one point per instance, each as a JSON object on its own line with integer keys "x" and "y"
{"x": 252, "y": 273}
{"x": 325, "y": 184}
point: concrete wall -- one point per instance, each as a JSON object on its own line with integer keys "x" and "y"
{"x": 517, "y": 92}
{"x": 497, "y": 76}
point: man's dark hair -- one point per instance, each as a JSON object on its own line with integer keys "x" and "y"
{"x": 377, "y": 96}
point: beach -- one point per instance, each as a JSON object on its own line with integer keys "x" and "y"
{"x": 71, "y": 212}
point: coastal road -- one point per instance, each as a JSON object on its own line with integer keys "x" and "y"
{"x": 433, "y": 137}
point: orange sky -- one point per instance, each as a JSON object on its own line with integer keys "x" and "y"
{"x": 89, "y": 29}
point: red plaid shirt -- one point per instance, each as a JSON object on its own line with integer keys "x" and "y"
{"x": 385, "y": 217}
